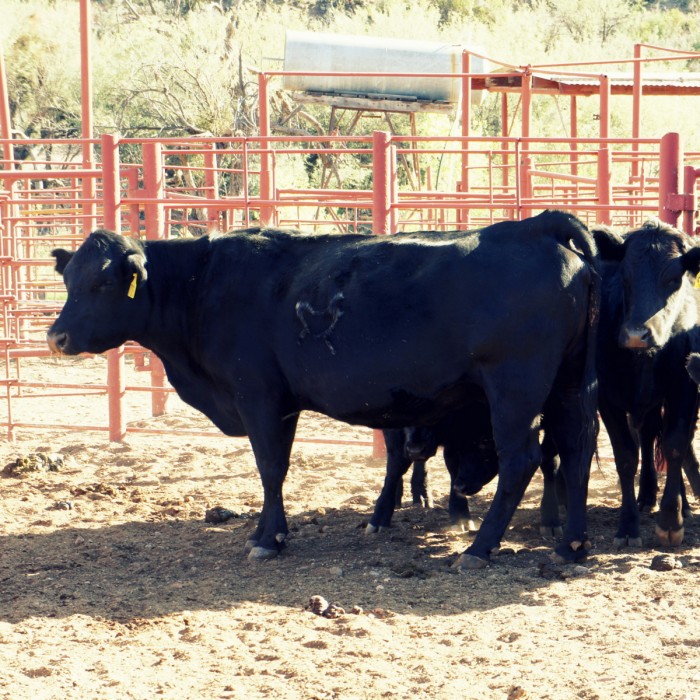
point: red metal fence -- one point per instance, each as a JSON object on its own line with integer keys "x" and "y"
{"x": 184, "y": 187}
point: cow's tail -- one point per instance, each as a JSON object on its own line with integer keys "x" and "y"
{"x": 585, "y": 243}
{"x": 569, "y": 231}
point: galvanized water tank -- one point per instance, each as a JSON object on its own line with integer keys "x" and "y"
{"x": 314, "y": 51}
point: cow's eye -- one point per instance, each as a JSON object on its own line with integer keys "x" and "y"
{"x": 673, "y": 283}
{"x": 671, "y": 280}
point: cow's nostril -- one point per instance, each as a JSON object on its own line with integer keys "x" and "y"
{"x": 636, "y": 338}
{"x": 57, "y": 342}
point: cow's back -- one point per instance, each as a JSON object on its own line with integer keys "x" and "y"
{"x": 436, "y": 307}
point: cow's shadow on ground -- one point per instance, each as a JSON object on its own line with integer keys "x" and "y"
{"x": 151, "y": 569}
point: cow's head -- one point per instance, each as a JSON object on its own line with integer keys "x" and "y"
{"x": 420, "y": 442}
{"x": 656, "y": 265}
{"x": 104, "y": 279}
{"x": 473, "y": 464}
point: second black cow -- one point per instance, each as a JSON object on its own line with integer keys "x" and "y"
{"x": 648, "y": 309}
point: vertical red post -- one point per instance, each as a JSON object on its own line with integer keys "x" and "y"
{"x": 89, "y": 187}
{"x": 604, "y": 108}
{"x": 111, "y": 193}
{"x": 604, "y": 186}
{"x": 463, "y": 213}
{"x": 636, "y": 109}
{"x": 505, "y": 174}
{"x": 670, "y": 160}
{"x": 382, "y": 170}
{"x": 689, "y": 178}
{"x": 267, "y": 211}
{"x": 5, "y": 123}
{"x": 132, "y": 180}
{"x": 116, "y": 389}
{"x": 604, "y": 179}
{"x": 381, "y": 174}
{"x": 111, "y": 196}
{"x": 211, "y": 182}
{"x": 573, "y": 129}
{"x": 525, "y": 163}
{"x": 154, "y": 190}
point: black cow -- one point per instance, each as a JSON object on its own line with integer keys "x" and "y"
{"x": 647, "y": 311}
{"x": 471, "y": 459}
{"x": 465, "y": 435}
{"x": 258, "y": 325}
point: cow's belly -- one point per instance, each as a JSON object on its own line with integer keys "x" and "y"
{"x": 377, "y": 404}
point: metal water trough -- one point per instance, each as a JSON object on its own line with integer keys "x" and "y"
{"x": 352, "y": 55}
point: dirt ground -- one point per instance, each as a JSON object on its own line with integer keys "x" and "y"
{"x": 113, "y": 585}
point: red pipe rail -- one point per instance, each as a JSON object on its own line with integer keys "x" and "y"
{"x": 195, "y": 186}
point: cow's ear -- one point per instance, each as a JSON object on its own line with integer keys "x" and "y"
{"x": 691, "y": 260}
{"x": 611, "y": 245}
{"x": 136, "y": 271}
{"x": 62, "y": 259}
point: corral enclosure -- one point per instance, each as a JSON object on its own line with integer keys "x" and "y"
{"x": 113, "y": 583}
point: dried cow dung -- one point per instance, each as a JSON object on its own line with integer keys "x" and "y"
{"x": 219, "y": 515}
{"x": 35, "y": 462}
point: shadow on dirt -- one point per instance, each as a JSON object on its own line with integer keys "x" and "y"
{"x": 150, "y": 569}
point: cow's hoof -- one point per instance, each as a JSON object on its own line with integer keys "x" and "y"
{"x": 249, "y": 545}
{"x": 423, "y": 501}
{"x": 627, "y": 541}
{"x": 372, "y": 529}
{"x": 670, "y": 538}
{"x": 571, "y": 553}
{"x": 460, "y": 526}
{"x": 556, "y": 531}
{"x": 469, "y": 562}
{"x": 260, "y": 553}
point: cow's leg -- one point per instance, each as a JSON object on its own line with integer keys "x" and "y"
{"x": 648, "y": 481}
{"x": 550, "y": 521}
{"x": 626, "y": 453}
{"x": 420, "y": 485}
{"x": 692, "y": 470}
{"x": 517, "y": 465}
{"x": 459, "y": 513}
{"x": 515, "y": 434}
{"x": 397, "y": 465}
{"x": 678, "y": 426}
{"x": 574, "y": 434}
{"x": 457, "y": 503}
{"x": 686, "y": 510}
{"x": 271, "y": 438}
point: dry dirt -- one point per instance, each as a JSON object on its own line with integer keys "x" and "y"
{"x": 112, "y": 585}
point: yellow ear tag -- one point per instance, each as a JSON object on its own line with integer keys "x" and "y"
{"x": 132, "y": 287}
{"x": 697, "y": 281}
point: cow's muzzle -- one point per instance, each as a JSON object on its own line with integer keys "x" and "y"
{"x": 58, "y": 342}
{"x": 637, "y": 338}
{"x": 466, "y": 488}
{"x": 418, "y": 450}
